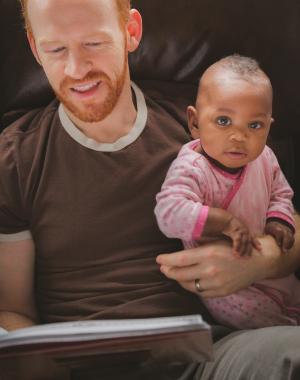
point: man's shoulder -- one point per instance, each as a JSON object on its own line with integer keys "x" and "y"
{"x": 30, "y": 123}
{"x": 167, "y": 124}
{"x": 19, "y": 141}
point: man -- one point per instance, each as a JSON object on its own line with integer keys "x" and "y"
{"x": 78, "y": 181}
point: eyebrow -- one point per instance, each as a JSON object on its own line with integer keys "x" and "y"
{"x": 90, "y": 36}
{"x": 45, "y": 42}
{"x": 261, "y": 115}
{"x": 232, "y": 111}
{"x": 225, "y": 110}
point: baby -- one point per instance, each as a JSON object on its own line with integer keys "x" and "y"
{"x": 228, "y": 182}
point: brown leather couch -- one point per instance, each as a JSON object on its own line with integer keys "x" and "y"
{"x": 181, "y": 38}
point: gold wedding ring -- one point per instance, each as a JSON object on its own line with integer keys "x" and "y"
{"x": 197, "y": 285}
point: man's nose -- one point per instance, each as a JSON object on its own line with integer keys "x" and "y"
{"x": 77, "y": 65}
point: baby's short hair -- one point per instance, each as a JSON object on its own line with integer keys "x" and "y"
{"x": 245, "y": 67}
{"x": 241, "y": 67}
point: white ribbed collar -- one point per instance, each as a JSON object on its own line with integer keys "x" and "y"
{"x": 122, "y": 142}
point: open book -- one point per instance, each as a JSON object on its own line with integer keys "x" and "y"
{"x": 183, "y": 338}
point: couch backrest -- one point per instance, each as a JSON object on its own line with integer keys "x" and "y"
{"x": 181, "y": 38}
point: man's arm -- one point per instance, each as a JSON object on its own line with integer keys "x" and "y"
{"x": 17, "y": 305}
{"x": 221, "y": 273}
{"x": 17, "y": 310}
{"x": 288, "y": 263}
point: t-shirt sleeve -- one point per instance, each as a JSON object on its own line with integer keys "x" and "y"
{"x": 13, "y": 222}
{"x": 180, "y": 211}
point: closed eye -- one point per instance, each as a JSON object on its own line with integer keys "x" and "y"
{"x": 93, "y": 44}
{"x": 56, "y": 50}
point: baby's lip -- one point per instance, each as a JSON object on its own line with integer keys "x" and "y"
{"x": 237, "y": 150}
{"x": 237, "y": 153}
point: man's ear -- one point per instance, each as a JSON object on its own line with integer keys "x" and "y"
{"x": 134, "y": 29}
{"x": 33, "y": 48}
{"x": 272, "y": 121}
{"x": 193, "y": 121}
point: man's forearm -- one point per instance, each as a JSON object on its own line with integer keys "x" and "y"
{"x": 284, "y": 264}
{"x": 12, "y": 321}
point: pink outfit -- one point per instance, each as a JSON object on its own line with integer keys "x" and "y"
{"x": 192, "y": 185}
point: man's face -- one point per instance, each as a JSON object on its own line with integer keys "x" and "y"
{"x": 232, "y": 120}
{"x": 82, "y": 49}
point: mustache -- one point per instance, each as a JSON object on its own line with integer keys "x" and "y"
{"x": 91, "y": 76}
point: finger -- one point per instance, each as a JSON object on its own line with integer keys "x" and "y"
{"x": 256, "y": 244}
{"x": 245, "y": 249}
{"x": 181, "y": 274}
{"x": 210, "y": 290}
{"x": 237, "y": 243}
{"x": 185, "y": 274}
{"x": 197, "y": 285}
{"x": 279, "y": 239}
{"x": 190, "y": 286}
{"x": 179, "y": 259}
{"x": 288, "y": 241}
{"x": 243, "y": 246}
{"x": 248, "y": 245}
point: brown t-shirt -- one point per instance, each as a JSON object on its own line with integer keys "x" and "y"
{"x": 89, "y": 209}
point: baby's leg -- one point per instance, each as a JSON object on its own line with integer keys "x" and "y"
{"x": 249, "y": 308}
{"x": 286, "y": 291}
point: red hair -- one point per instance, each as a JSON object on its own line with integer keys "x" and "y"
{"x": 123, "y": 7}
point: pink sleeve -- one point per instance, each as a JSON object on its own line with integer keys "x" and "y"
{"x": 281, "y": 205}
{"x": 179, "y": 210}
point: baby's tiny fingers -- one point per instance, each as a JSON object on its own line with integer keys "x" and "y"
{"x": 280, "y": 239}
{"x": 288, "y": 241}
{"x": 246, "y": 246}
{"x": 256, "y": 244}
{"x": 237, "y": 242}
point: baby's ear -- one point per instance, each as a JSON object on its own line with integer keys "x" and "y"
{"x": 193, "y": 121}
{"x": 272, "y": 120}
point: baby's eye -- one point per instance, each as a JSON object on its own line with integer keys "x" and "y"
{"x": 224, "y": 121}
{"x": 255, "y": 125}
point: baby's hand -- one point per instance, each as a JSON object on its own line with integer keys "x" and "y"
{"x": 243, "y": 241}
{"x": 283, "y": 235}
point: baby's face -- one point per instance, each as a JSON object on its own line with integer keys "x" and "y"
{"x": 233, "y": 120}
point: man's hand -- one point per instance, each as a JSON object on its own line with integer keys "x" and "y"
{"x": 220, "y": 273}
{"x": 283, "y": 235}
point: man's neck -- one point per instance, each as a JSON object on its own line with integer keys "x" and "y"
{"x": 117, "y": 124}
